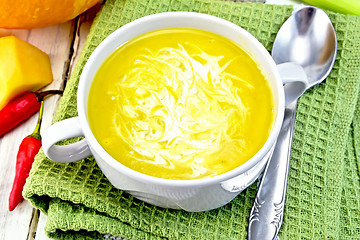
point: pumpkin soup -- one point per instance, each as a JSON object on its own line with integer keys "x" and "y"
{"x": 180, "y": 104}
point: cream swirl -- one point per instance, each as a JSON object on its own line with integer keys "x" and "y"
{"x": 176, "y": 108}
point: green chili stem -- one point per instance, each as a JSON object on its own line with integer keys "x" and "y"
{"x": 40, "y": 96}
{"x": 36, "y": 133}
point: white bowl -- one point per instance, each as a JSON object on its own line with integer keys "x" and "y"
{"x": 190, "y": 195}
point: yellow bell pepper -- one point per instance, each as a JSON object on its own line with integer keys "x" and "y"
{"x": 23, "y": 68}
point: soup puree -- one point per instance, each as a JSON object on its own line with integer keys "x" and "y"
{"x": 181, "y": 104}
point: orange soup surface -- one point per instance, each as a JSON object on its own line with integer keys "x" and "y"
{"x": 181, "y": 104}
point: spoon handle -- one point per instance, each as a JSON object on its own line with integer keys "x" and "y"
{"x": 267, "y": 212}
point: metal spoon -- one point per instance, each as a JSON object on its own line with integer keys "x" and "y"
{"x": 309, "y": 39}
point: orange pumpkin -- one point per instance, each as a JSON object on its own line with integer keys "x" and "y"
{"x": 27, "y": 14}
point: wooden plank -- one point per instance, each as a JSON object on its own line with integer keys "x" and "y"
{"x": 33, "y": 224}
{"x": 40, "y": 233}
{"x": 56, "y": 42}
{"x": 81, "y": 32}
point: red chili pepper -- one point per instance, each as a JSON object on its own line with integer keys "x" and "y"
{"x": 28, "y": 148}
{"x": 21, "y": 109}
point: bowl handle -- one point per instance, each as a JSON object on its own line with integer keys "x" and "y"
{"x": 63, "y": 130}
{"x": 294, "y": 79}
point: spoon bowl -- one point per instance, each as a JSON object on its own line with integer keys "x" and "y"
{"x": 309, "y": 39}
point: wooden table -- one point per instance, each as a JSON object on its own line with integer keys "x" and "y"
{"x": 63, "y": 43}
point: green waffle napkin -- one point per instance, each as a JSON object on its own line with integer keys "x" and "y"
{"x": 324, "y": 180}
